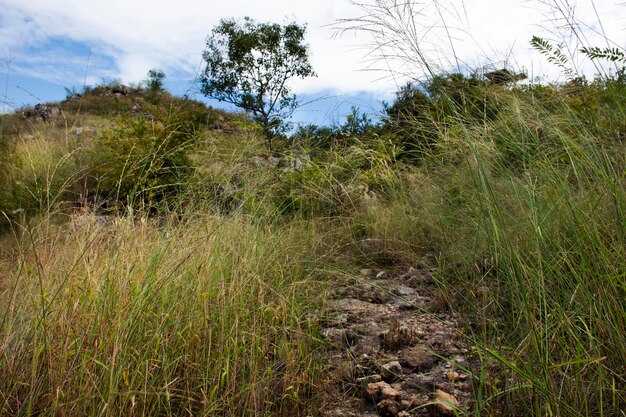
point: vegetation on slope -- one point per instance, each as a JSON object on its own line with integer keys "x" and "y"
{"x": 188, "y": 280}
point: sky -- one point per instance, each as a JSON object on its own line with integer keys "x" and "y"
{"x": 49, "y": 45}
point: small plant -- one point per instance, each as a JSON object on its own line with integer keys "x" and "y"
{"x": 71, "y": 92}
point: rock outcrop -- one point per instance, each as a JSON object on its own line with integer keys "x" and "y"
{"x": 41, "y": 113}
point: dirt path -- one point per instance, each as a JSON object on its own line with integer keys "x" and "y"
{"x": 395, "y": 352}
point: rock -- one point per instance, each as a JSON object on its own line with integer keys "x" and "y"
{"x": 382, "y": 275}
{"x": 350, "y": 337}
{"x": 404, "y": 362}
{"x": 258, "y": 161}
{"x": 381, "y": 391}
{"x": 370, "y": 379}
{"x": 388, "y": 392}
{"x": 405, "y": 291}
{"x": 370, "y": 328}
{"x": 414, "y": 401}
{"x": 416, "y": 277}
{"x": 119, "y": 90}
{"x": 350, "y": 305}
{"x": 391, "y": 371}
{"x": 340, "y": 337}
{"x": 274, "y": 161}
{"x": 463, "y": 386}
{"x": 453, "y": 376}
{"x": 338, "y": 412}
{"x": 41, "y": 112}
{"x": 368, "y": 345}
{"x": 371, "y": 294}
{"x": 266, "y": 161}
{"x": 438, "y": 340}
{"x": 445, "y": 403}
{"x": 421, "y": 382}
{"x": 73, "y": 97}
{"x": 388, "y": 408}
{"x": 461, "y": 360}
{"x": 79, "y": 131}
{"x": 417, "y": 359}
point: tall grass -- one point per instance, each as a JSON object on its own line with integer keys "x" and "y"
{"x": 555, "y": 243}
{"x": 210, "y": 317}
{"x": 526, "y": 215}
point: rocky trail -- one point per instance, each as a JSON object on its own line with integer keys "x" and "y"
{"x": 394, "y": 351}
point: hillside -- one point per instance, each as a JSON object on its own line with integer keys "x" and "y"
{"x": 465, "y": 255}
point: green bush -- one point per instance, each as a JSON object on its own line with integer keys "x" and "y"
{"x": 338, "y": 183}
{"x": 141, "y": 161}
{"x": 421, "y": 113}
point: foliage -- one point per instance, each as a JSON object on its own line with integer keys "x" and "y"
{"x": 420, "y": 111}
{"x": 155, "y": 80}
{"x": 139, "y": 161}
{"x": 357, "y": 123}
{"x": 248, "y": 64}
{"x": 412, "y": 117}
{"x": 176, "y": 320}
{"x": 554, "y": 54}
{"x": 611, "y": 54}
{"x": 71, "y": 92}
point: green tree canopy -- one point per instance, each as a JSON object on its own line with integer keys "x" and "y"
{"x": 155, "y": 79}
{"x": 248, "y": 64}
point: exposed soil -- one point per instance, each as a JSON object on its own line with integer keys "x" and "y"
{"x": 394, "y": 350}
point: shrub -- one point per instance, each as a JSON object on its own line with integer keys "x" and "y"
{"x": 155, "y": 80}
{"x": 139, "y": 161}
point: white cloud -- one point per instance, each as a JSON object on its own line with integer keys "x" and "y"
{"x": 140, "y": 34}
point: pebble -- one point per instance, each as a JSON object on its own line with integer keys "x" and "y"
{"x": 452, "y": 376}
{"x": 405, "y": 292}
{"x": 388, "y": 408}
{"x": 370, "y": 379}
{"x": 366, "y": 272}
{"x": 445, "y": 403}
{"x": 391, "y": 371}
{"x": 418, "y": 359}
{"x": 380, "y": 391}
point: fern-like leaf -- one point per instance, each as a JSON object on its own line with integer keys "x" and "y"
{"x": 553, "y": 54}
{"x": 611, "y": 54}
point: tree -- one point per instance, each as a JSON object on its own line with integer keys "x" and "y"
{"x": 248, "y": 64}
{"x": 155, "y": 80}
